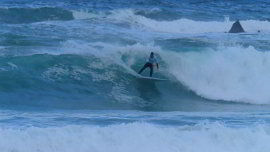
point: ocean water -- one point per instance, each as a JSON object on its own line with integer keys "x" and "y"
{"x": 68, "y": 76}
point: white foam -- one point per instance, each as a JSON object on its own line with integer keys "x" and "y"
{"x": 83, "y": 14}
{"x": 57, "y": 72}
{"x": 12, "y": 65}
{"x": 229, "y": 73}
{"x": 186, "y": 26}
{"x": 136, "y": 137}
{"x": 109, "y": 53}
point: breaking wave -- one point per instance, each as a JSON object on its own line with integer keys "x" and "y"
{"x": 235, "y": 74}
{"x": 136, "y": 136}
{"x": 176, "y": 25}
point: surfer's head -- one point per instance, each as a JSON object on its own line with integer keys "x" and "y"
{"x": 152, "y": 54}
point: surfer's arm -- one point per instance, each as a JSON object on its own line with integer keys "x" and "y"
{"x": 157, "y": 66}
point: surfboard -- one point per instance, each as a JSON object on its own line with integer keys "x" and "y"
{"x": 151, "y": 78}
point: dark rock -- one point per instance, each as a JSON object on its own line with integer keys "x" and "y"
{"x": 236, "y": 28}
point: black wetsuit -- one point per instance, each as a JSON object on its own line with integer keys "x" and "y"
{"x": 150, "y": 64}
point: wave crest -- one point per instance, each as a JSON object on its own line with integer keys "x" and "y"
{"x": 230, "y": 73}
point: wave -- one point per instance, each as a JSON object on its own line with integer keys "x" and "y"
{"x": 31, "y": 15}
{"x": 149, "y": 20}
{"x": 235, "y": 74}
{"x": 83, "y": 75}
{"x": 136, "y": 137}
{"x": 230, "y": 73}
{"x": 184, "y": 25}
{"x": 152, "y": 19}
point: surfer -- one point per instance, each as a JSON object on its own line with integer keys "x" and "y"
{"x": 150, "y": 63}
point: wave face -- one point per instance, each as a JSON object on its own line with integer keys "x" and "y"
{"x": 86, "y": 55}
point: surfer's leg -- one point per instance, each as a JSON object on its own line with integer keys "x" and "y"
{"x": 151, "y": 70}
{"x": 145, "y": 66}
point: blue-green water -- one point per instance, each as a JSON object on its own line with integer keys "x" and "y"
{"x": 68, "y": 76}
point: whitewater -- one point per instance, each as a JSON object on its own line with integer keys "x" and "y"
{"x": 68, "y": 76}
